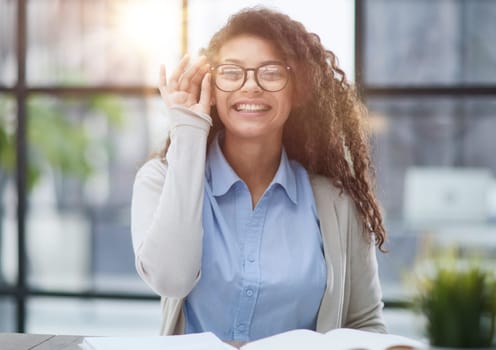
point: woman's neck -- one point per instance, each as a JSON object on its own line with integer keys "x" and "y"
{"x": 254, "y": 161}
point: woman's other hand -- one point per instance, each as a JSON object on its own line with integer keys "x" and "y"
{"x": 188, "y": 86}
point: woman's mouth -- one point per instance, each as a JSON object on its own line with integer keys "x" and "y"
{"x": 251, "y": 107}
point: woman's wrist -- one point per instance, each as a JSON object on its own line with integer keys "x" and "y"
{"x": 183, "y": 116}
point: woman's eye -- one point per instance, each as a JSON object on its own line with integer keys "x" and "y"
{"x": 231, "y": 74}
{"x": 272, "y": 74}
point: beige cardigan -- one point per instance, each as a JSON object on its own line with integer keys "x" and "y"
{"x": 167, "y": 235}
{"x": 352, "y": 298}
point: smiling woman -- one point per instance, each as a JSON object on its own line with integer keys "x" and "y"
{"x": 247, "y": 221}
{"x": 258, "y": 105}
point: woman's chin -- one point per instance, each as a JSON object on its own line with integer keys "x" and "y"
{"x": 251, "y": 132}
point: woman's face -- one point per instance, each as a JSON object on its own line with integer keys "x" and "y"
{"x": 251, "y": 112}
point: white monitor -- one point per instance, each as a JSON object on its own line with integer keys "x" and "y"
{"x": 446, "y": 195}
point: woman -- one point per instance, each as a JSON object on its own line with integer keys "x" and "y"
{"x": 275, "y": 227}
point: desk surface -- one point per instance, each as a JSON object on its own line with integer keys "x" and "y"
{"x": 21, "y": 341}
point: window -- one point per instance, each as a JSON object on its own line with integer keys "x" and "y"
{"x": 83, "y": 96}
{"x": 87, "y": 115}
{"x": 428, "y": 80}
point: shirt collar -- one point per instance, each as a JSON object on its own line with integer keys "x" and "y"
{"x": 222, "y": 177}
{"x": 220, "y": 174}
{"x": 285, "y": 177}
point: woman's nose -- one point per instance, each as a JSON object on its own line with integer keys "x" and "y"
{"x": 251, "y": 83}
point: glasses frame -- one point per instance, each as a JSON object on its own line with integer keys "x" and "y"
{"x": 255, "y": 75}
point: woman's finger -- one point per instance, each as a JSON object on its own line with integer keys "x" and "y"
{"x": 176, "y": 75}
{"x": 162, "y": 84}
{"x": 205, "y": 92}
{"x": 162, "y": 81}
{"x": 197, "y": 80}
{"x": 185, "y": 82}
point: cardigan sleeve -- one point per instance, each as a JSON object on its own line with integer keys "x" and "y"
{"x": 166, "y": 208}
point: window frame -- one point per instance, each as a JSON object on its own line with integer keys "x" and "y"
{"x": 21, "y": 91}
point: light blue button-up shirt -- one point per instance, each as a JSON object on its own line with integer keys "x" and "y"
{"x": 263, "y": 270}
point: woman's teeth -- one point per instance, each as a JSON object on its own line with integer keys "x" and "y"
{"x": 245, "y": 107}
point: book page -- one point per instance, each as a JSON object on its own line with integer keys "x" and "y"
{"x": 337, "y": 339}
{"x": 345, "y": 338}
{"x": 200, "y": 341}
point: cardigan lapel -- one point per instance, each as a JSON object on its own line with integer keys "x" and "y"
{"x": 331, "y": 308}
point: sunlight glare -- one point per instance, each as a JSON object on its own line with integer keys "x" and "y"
{"x": 145, "y": 24}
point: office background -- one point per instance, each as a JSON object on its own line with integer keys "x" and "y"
{"x": 79, "y": 113}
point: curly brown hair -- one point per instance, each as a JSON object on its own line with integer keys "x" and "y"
{"x": 325, "y": 132}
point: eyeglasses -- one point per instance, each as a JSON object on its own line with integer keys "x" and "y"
{"x": 270, "y": 77}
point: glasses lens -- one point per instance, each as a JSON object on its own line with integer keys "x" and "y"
{"x": 272, "y": 77}
{"x": 229, "y": 77}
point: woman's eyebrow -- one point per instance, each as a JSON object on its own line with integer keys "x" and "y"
{"x": 236, "y": 61}
{"x": 232, "y": 60}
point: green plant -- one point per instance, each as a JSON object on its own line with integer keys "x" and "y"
{"x": 55, "y": 138}
{"x": 458, "y": 300}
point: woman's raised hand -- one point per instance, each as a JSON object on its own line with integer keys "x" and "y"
{"x": 188, "y": 86}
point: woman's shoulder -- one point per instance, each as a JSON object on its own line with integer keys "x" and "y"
{"x": 324, "y": 183}
{"x": 152, "y": 168}
{"x": 326, "y": 192}
{"x": 318, "y": 183}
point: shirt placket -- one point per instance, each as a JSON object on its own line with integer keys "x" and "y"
{"x": 250, "y": 286}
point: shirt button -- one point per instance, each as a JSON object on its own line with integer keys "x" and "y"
{"x": 249, "y": 292}
{"x": 251, "y": 259}
{"x": 241, "y": 327}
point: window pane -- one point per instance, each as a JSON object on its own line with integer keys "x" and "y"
{"x": 93, "y": 317}
{"x": 429, "y": 42}
{"x": 453, "y": 138}
{"x": 336, "y": 29}
{"x": 7, "y": 315}
{"x": 429, "y": 131}
{"x": 8, "y": 65}
{"x": 102, "y": 41}
{"x": 84, "y": 155}
{"x": 8, "y": 192}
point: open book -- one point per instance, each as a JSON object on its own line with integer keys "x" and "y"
{"x": 337, "y": 339}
